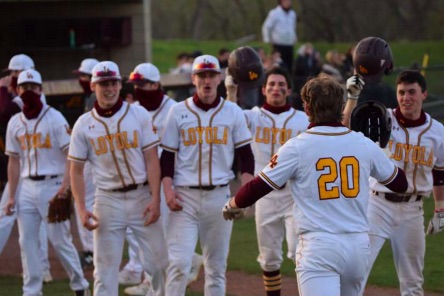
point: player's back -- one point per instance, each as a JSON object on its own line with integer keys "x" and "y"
{"x": 330, "y": 183}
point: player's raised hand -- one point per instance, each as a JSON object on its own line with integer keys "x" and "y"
{"x": 173, "y": 200}
{"x": 354, "y": 86}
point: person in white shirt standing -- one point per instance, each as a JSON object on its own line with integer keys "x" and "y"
{"x": 118, "y": 139}
{"x": 329, "y": 168}
{"x": 37, "y": 141}
{"x": 279, "y": 29}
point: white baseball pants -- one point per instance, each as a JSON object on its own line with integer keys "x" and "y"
{"x": 274, "y": 223}
{"x": 200, "y": 218}
{"x": 331, "y": 264}
{"x": 402, "y": 224}
{"x": 7, "y": 223}
{"x": 32, "y": 210}
{"x": 116, "y": 212}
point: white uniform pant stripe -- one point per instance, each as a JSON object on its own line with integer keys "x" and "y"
{"x": 200, "y": 218}
{"x": 116, "y": 212}
{"x": 33, "y": 209}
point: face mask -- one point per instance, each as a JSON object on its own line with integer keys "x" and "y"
{"x": 14, "y": 83}
{"x": 85, "y": 85}
{"x": 31, "y": 104}
{"x": 150, "y": 100}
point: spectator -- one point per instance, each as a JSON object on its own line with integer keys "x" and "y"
{"x": 279, "y": 29}
{"x": 333, "y": 65}
{"x": 223, "y": 56}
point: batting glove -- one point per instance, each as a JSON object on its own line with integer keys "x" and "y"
{"x": 231, "y": 88}
{"x": 354, "y": 86}
{"x": 230, "y": 213}
{"x": 436, "y": 223}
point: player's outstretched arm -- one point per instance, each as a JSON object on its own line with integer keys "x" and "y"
{"x": 436, "y": 223}
{"x": 354, "y": 86}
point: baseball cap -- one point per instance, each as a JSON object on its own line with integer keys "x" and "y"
{"x": 20, "y": 62}
{"x": 87, "y": 66}
{"x": 105, "y": 70}
{"x": 29, "y": 76}
{"x": 245, "y": 66}
{"x": 143, "y": 72}
{"x": 205, "y": 63}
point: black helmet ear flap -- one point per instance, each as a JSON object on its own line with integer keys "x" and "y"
{"x": 373, "y": 120}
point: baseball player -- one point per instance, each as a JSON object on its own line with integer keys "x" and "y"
{"x": 199, "y": 140}
{"x": 271, "y": 126}
{"x": 118, "y": 139}
{"x": 328, "y": 167}
{"x": 11, "y": 104}
{"x": 86, "y": 236}
{"x": 149, "y": 94}
{"x": 417, "y": 145}
{"x": 36, "y": 143}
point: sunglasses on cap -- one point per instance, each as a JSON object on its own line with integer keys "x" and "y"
{"x": 206, "y": 65}
{"x": 135, "y": 76}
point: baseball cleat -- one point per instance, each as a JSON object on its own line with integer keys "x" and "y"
{"x": 47, "y": 277}
{"x": 143, "y": 289}
{"x": 127, "y": 277}
{"x": 84, "y": 292}
{"x": 197, "y": 262}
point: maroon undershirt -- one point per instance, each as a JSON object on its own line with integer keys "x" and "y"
{"x": 107, "y": 113}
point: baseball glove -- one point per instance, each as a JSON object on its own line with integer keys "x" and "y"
{"x": 60, "y": 208}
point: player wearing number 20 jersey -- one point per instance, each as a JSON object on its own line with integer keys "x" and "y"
{"x": 328, "y": 167}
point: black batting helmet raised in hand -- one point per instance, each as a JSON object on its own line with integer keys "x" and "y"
{"x": 373, "y": 120}
{"x": 372, "y": 58}
{"x": 245, "y": 66}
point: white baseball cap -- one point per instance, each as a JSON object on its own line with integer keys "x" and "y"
{"x": 145, "y": 71}
{"x": 20, "y": 62}
{"x": 105, "y": 70}
{"x": 206, "y": 63}
{"x": 87, "y": 66}
{"x": 29, "y": 76}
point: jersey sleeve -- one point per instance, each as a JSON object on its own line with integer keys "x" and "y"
{"x": 241, "y": 134}
{"x": 249, "y": 117}
{"x": 439, "y": 153}
{"x": 170, "y": 138}
{"x": 61, "y": 131}
{"x": 78, "y": 150}
{"x": 382, "y": 169}
{"x": 149, "y": 138}
{"x": 12, "y": 146}
{"x": 282, "y": 166}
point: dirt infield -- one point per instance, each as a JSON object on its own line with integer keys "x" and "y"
{"x": 238, "y": 283}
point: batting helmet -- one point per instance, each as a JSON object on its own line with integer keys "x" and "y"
{"x": 373, "y": 120}
{"x": 372, "y": 58}
{"x": 245, "y": 66}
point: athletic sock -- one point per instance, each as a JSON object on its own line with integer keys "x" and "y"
{"x": 272, "y": 280}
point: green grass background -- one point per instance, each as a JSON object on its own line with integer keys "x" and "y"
{"x": 244, "y": 250}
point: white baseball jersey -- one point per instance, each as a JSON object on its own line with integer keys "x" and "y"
{"x": 159, "y": 116}
{"x": 114, "y": 145}
{"x": 417, "y": 151}
{"x": 39, "y": 142}
{"x": 204, "y": 141}
{"x": 328, "y": 168}
{"x": 270, "y": 131}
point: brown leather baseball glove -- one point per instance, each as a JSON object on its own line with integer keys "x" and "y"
{"x": 60, "y": 208}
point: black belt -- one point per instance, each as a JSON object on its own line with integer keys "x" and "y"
{"x": 129, "y": 187}
{"x": 397, "y": 198}
{"x": 206, "y": 188}
{"x": 42, "y": 177}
